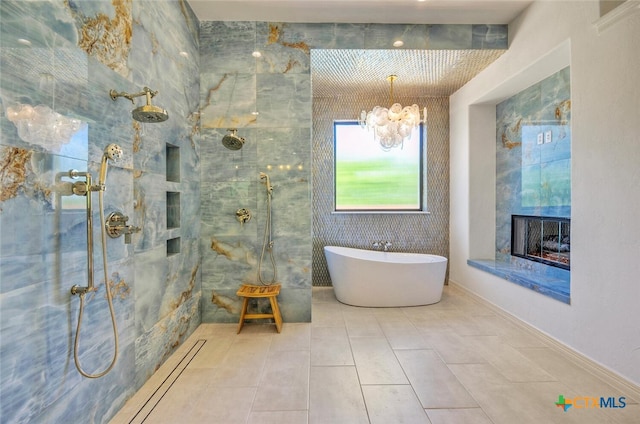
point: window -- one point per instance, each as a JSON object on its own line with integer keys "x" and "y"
{"x": 368, "y": 179}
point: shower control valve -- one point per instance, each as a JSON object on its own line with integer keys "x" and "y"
{"x": 116, "y": 225}
{"x": 243, "y": 215}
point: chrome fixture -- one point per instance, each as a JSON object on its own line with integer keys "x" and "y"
{"x": 267, "y": 242}
{"x": 85, "y": 188}
{"x": 391, "y": 127}
{"x": 232, "y": 141}
{"x": 387, "y": 245}
{"x": 116, "y": 225}
{"x": 243, "y": 215}
{"x": 146, "y": 113}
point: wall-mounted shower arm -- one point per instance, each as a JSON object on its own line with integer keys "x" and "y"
{"x": 146, "y": 91}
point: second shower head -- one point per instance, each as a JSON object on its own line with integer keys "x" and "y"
{"x": 232, "y": 141}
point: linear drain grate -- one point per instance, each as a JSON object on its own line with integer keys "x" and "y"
{"x": 166, "y": 384}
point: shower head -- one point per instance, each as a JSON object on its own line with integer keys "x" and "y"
{"x": 232, "y": 141}
{"x": 113, "y": 152}
{"x": 146, "y": 113}
{"x": 149, "y": 112}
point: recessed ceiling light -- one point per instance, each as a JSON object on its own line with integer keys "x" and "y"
{"x": 24, "y": 41}
{"x": 256, "y": 54}
{"x": 184, "y": 54}
{"x": 398, "y": 43}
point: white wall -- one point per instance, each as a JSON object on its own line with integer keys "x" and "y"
{"x": 603, "y": 320}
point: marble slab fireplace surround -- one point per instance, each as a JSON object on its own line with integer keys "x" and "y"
{"x": 533, "y": 188}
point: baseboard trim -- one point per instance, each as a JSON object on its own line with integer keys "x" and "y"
{"x": 631, "y": 390}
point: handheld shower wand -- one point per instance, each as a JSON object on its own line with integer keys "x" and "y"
{"x": 264, "y": 176}
{"x": 112, "y": 152}
{"x": 267, "y": 242}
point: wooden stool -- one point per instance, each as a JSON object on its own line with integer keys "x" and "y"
{"x": 247, "y": 291}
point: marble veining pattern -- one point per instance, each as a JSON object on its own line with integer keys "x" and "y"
{"x": 277, "y": 86}
{"x": 533, "y": 176}
{"x": 75, "y": 52}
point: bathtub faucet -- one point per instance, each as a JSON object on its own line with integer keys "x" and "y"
{"x": 385, "y": 245}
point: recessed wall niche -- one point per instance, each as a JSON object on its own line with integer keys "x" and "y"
{"x": 522, "y": 125}
{"x": 173, "y": 210}
{"x": 173, "y": 246}
{"x": 173, "y": 163}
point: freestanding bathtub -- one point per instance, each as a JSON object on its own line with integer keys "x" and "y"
{"x": 385, "y": 279}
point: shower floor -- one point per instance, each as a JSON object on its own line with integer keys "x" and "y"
{"x": 458, "y": 361}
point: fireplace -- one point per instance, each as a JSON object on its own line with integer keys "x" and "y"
{"x": 542, "y": 239}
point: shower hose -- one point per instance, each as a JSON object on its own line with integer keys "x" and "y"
{"x": 267, "y": 243}
{"x": 103, "y": 234}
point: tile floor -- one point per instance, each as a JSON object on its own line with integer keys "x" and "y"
{"x": 455, "y": 362}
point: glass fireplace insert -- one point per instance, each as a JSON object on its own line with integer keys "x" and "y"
{"x": 542, "y": 239}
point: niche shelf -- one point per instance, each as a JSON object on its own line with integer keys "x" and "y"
{"x": 173, "y": 209}
{"x": 172, "y": 170}
{"x": 173, "y": 163}
{"x": 173, "y": 246}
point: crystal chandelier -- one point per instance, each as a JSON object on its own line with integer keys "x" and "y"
{"x": 391, "y": 127}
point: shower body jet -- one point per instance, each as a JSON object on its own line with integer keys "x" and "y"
{"x": 146, "y": 113}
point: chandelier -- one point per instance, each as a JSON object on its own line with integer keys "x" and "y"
{"x": 391, "y": 127}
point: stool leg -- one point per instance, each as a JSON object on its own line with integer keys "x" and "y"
{"x": 276, "y": 313}
{"x": 243, "y": 312}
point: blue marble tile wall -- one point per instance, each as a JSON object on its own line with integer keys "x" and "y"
{"x": 268, "y": 99}
{"x": 58, "y": 60}
{"x": 533, "y": 160}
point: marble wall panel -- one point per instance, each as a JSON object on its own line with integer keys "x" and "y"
{"x": 226, "y": 47}
{"x": 43, "y": 234}
{"x": 284, "y": 100}
{"x": 533, "y": 172}
{"x": 489, "y": 36}
{"x": 228, "y": 100}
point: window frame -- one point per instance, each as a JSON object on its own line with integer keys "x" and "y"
{"x": 422, "y": 172}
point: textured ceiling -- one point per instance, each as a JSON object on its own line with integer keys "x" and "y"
{"x": 421, "y": 73}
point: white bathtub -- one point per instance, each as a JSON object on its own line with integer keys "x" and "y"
{"x": 385, "y": 279}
